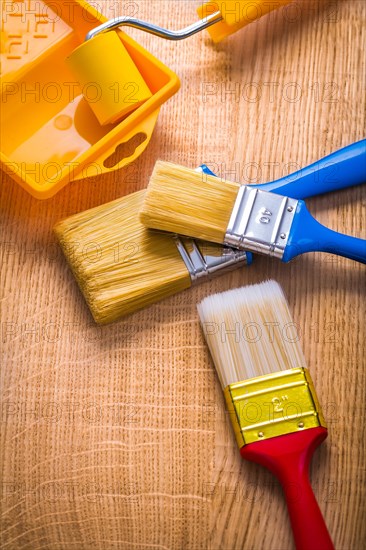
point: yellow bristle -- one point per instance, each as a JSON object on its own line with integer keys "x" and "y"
{"x": 250, "y": 332}
{"x": 119, "y": 265}
{"x": 187, "y": 202}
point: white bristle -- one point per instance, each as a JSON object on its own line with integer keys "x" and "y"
{"x": 250, "y": 332}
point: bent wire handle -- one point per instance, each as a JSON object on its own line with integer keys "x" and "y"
{"x": 155, "y": 29}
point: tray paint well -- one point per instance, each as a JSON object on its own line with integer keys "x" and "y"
{"x": 49, "y": 134}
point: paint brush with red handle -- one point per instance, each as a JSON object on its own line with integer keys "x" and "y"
{"x": 269, "y": 394}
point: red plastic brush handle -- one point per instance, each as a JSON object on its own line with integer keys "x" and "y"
{"x": 288, "y": 457}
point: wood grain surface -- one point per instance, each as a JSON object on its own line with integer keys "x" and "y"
{"x": 117, "y": 437}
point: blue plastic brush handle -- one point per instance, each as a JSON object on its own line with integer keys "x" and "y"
{"x": 308, "y": 235}
{"x": 341, "y": 169}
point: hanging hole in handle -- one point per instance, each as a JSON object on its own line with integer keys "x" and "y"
{"x": 124, "y": 150}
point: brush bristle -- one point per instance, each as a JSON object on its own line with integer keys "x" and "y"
{"x": 187, "y": 202}
{"x": 250, "y": 332}
{"x": 119, "y": 265}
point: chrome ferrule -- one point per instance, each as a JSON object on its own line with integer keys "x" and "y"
{"x": 207, "y": 260}
{"x": 260, "y": 222}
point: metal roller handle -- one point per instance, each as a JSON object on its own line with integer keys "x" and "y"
{"x": 155, "y": 29}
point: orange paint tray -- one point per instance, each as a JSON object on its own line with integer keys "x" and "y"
{"x": 49, "y": 134}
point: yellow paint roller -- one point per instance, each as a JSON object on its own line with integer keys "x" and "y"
{"x": 111, "y": 82}
{"x": 108, "y": 77}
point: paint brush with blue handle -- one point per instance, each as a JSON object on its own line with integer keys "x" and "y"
{"x": 134, "y": 267}
{"x": 256, "y": 218}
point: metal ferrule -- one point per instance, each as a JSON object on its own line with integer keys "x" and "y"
{"x": 207, "y": 260}
{"x": 155, "y": 29}
{"x": 274, "y": 404}
{"x": 260, "y": 221}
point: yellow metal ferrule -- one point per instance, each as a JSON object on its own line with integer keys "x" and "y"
{"x": 271, "y": 405}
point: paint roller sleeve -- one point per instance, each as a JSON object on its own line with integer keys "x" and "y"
{"x": 109, "y": 79}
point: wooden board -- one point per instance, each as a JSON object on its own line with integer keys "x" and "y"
{"x": 117, "y": 437}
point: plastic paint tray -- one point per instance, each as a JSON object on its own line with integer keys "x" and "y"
{"x": 49, "y": 134}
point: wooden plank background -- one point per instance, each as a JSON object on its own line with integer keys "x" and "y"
{"x": 117, "y": 437}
